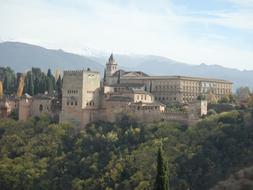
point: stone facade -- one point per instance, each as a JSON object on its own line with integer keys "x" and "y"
{"x": 80, "y": 96}
{"x": 180, "y": 89}
{"x": 7, "y": 106}
{"x": 35, "y": 106}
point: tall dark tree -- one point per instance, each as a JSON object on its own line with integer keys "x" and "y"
{"x": 150, "y": 87}
{"x": 43, "y": 84}
{"x": 49, "y": 74}
{"x": 30, "y": 84}
{"x": 36, "y": 86}
{"x": 8, "y": 77}
{"x": 6, "y": 84}
{"x": 118, "y": 81}
{"x": 59, "y": 87}
{"x": 50, "y": 82}
{"x": 105, "y": 76}
{"x": 162, "y": 179}
{"x": 50, "y": 86}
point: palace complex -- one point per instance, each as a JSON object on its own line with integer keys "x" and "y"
{"x": 87, "y": 98}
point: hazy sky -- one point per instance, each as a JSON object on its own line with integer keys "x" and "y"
{"x": 192, "y": 31}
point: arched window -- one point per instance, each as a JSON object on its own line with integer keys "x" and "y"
{"x": 41, "y": 108}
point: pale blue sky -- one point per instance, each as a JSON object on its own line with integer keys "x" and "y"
{"x": 192, "y": 31}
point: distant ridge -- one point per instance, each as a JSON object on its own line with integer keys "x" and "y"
{"x": 22, "y": 56}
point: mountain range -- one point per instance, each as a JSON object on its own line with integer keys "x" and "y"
{"x": 22, "y": 56}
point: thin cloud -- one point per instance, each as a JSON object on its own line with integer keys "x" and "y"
{"x": 153, "y": 27}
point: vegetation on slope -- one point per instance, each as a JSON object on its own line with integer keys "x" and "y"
{"x": 241, "y": 180}
{"x": 39, "y": 154}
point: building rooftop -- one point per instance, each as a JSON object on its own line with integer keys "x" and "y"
{"x": 123, "y": 73}
{"x": 182, "y": 78}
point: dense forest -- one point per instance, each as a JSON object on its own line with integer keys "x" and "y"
{"x": 39, "y": 154}
{"x": 241, "y": 180}
{"x": 35, "y": 81}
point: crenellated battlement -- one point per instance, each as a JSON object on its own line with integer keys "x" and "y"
{"x": 74, "y": 72}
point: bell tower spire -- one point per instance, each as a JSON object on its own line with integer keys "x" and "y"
{"x": 111, "y": 68}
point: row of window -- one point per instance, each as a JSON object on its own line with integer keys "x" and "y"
{"x": 90, "y": 103}
{"x": 160, "y": 87}
{"x": 141, "y": 97}
{"x": 217, "y": 85}
{"x": 41, "y": 108}
{"x": 217, "y": 91}
{"x": 189, "y": 99}
{"x": 72, "y": 91}
{"x": 72, "y": 103}
{"x": 174, "y": 98}
{"x": 190, "y": 94}
{"x": 166, "y": 98}
{"x": 165, "y": 87}
{"x": 147, "y": 108}
{"x": 191, "y": 83}
{"x": 119, "y": 89}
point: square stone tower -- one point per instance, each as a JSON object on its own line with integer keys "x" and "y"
{"x": 111, "y": 69}
{"x": 80, "y": 94}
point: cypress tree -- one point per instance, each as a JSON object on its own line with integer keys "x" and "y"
{"x": 6, "y": 84}
{"x": 36, "y": 86}
{"x": 118, "y": 81}
{"x": 150, "y": 87}
{"x": 59, "y": 87}
{"x": 49, "y": 74}
{"x": 51, "y": 77}
{"x": 43, "y": 84}
{"x": 105, "y": 76}
{"x": 162, "y": 179}
{"x": 50, "y": 87}
{"x": 31, "y": 85}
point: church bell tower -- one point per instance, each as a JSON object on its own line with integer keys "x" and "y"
{"x": 111, "y": 68}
